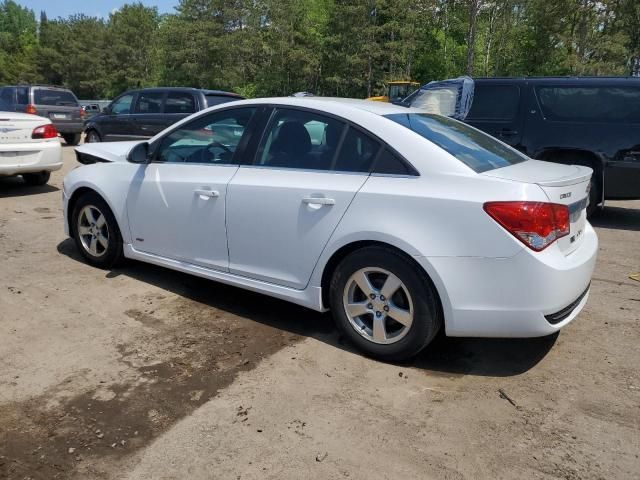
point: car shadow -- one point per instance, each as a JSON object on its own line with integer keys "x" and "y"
{"x": 445, "y": 356}
{"x": 617, "y": 218}
{"x": 16, "y": 187}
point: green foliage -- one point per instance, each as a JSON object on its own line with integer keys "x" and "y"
{"x": 330, "y": 47}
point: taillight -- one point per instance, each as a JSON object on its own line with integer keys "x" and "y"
{"x": 44, "y": 131}
{"x": 536, "y": 224}
{"x": 31, "y": 109}
{"x": 83, "y": 113}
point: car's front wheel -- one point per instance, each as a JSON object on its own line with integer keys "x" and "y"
{"x": 384, "y": 303}
{"x": 92, "y": 137}
{"x": 35, "y": 179}
{"x": 96, "y": 231}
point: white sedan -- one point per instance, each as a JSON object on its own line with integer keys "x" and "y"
{"x": 29, "y": 146}
{"x": 398, "y": 221}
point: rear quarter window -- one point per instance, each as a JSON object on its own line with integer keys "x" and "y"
{"x": 475, "y": 149}
{"x": 60, "y": 98}
{"x": 590, "y": 104}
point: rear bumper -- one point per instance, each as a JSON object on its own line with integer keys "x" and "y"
{"x": 69, "y": 127}
{"x": 528, "y": 295}
{"x": 16, "y": 159}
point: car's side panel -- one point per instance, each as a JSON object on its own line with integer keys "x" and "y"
{"x": 276, "y": 232}
{"x": 112, "y": 181}
{"x": 177, "y": 211}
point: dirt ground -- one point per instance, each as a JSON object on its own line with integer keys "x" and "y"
{"x": 144, "y": 373}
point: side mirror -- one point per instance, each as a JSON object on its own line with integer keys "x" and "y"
{"x": 107, "y": 110}
{"x": 139, "y": 153}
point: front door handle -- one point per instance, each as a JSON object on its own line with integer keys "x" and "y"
{"x": 318, "y": 201}
{"x": 206, "y": 193}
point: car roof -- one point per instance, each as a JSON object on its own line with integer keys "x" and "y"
{"x": 38, "y": 85}
{"x": 567, "y": 79}
{"x": 187, "y": 89}
{"x": 329, "y": 103}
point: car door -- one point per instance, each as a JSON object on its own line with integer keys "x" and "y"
{"x": 496, "y": 110}
{"x": 148, "y": 118}
{"x": 283, "y": 208}
{"x": 176, "y": 203}
{"x": 116, "y": 123}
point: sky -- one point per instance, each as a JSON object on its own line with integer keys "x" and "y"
{"x": 94, "y": 8}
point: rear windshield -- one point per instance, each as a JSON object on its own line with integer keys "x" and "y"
{"x": 213, "y": 100}
{"x": 54, "y": 97}
{"x": 475, "y": 149}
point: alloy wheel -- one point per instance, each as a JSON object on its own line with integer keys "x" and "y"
{"x": 93, "y": 231}
{"x": 378, "y": 305}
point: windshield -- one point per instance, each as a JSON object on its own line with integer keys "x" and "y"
{"x": 475, "y": 149}
{"x": 54, "y": 97}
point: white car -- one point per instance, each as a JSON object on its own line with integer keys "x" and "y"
{"x": 29, "y": 146}
{"x": 399, "y": 222}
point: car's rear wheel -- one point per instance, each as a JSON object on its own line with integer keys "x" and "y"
{"x": 38, "y": 178}
{"x": 96, "y": 231}
{"x": 384, "y": 303}
{"x": 72, "y": 138}
{"x": 92, "y": 137}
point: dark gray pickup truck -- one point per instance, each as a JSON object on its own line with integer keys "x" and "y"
{"x": 141, "y": 114}
{"x": 55, "y": 103}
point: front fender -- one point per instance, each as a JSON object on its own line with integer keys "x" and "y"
{"x": 109, "y": 180}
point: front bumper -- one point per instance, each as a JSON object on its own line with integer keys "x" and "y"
{"x": 511, "y": 297}
{"x": 16, "y": 159}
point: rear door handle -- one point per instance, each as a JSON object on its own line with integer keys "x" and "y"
{"x": 206, "y": 193}
{"x": 318, "y": 201}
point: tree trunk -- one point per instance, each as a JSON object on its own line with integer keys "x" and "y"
{"x": 474, "y": 8}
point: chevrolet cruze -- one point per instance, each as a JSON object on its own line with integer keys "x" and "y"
{"x": 400, "y": 222}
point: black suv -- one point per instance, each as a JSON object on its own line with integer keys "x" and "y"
{"x": 55, "y": 103}
{"x": 592, "y": 121}
{"x": 141, "y": 114}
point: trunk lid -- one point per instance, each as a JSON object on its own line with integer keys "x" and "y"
{"x": 18, "y": 127}
{"x": 563, "y": 184}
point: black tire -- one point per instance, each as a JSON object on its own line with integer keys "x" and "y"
{"x": 595, "y": 192}
{"x": 72, "y": 138}
{"x": 427, "y": 317}
{"x": 92, "y": 137}
{"x": 35, "y": 179}
{"x": 595, "y": 196}
{"x": 110, "y": 256}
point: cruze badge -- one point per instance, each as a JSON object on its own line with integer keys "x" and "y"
{"x": 565, "y": 195}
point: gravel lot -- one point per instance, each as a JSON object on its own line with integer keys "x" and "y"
{"x": 144, "y": 373}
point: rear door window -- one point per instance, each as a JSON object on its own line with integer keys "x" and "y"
{"x": 149, "y": 102}
{"x": 60, "y": 98}
{"x": 300, "y": 139}
{"x": 494, "y": 102}
{"x": 476, "y": 149}
{"x": 590, "y": 104}
{"x": 179, "y": 102}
